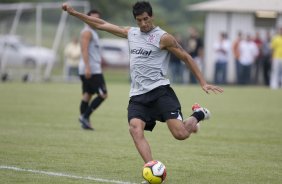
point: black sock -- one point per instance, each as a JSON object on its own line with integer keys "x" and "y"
{"x": 199, "y": 115}
{"x": 94, "y": 104}
{"x": 83, "y": 106}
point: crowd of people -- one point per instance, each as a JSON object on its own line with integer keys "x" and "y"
{"x": 257, "y": 58}
{"x": 248, "y": 52}
{"x": 193, "y": 44}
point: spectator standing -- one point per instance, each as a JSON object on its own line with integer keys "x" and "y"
{"x": 276, "y": 68}
{"x": 222, "y": 50}
{"x": 176, "y": 66}
{"x": 248, "y": 53}
{"x": 72, "y": 54}
{"x": 266, "y": 58}
{"x": 236, "y": 54}
{"x": 257, "y": 66}
{"x": 194, "y": 46}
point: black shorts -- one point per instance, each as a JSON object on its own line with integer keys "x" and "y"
{"x": 160, "y": 104}
{"x": 96, "y": 84}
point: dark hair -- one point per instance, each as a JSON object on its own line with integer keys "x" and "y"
{"x": 140, "y": 7}
{"x": 93, "y": 11}
{"x": 224, "y": 35}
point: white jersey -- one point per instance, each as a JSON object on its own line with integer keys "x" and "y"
{"x": 94, "y": 52}
{"x": 148, "y": 63}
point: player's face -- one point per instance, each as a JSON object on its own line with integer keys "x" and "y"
{"x": 145, "y": 22}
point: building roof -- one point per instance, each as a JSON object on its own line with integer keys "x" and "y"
{"x": 238, "y": 6}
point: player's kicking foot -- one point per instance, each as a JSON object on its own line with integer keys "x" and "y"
{"x": 196, "y": 108}
{"x": 205, "y": 115}
{"x": 85, "y": 124}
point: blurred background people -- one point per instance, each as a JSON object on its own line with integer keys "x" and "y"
{"x": 257, "y": 66}
{"x": 276, "y": 68}
{"x": 222, "y": 51}
{"x": 72, "y": 55}
{"x": 248, "y": 53}
{"x": 194, "y": 46}
{"x": 236, "y": 54}
{"x": 266, "y": 58}
{"x": 176, "y": 66}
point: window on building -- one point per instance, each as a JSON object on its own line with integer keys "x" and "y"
{"x": 265, "y": 19}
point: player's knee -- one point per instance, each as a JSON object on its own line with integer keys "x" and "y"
{"x": 86, "y": 97}
{"x": 135, "y": 129}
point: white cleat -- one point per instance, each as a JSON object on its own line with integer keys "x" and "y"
{"x": 196, "y": 107}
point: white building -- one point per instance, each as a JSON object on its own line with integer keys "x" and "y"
{"x": 231, "y": 16}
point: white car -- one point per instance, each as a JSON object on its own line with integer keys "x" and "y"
{"x": 115, "y": 52}
{"x": 15, "y": 53}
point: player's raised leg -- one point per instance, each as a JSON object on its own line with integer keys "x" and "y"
{"x": 182, "y": 130}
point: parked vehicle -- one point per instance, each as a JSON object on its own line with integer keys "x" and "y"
{"x": 115, "y": 52}
{"x": 16, "y": 53}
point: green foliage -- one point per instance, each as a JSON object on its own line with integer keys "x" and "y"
{"x": 171, "y": 15}
{"x": 241, "y": 143}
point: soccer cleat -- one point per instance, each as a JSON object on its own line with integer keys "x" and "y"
{"x": 196, "y": 107}
{"x": 85, "y": 124}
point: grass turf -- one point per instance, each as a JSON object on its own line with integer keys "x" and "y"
{"x": 39, "y": 130}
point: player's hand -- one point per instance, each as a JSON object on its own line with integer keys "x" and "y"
{"x": 207, "y": 88}
{"x": 87, "y": 72}
{"x": 67, "y": 8}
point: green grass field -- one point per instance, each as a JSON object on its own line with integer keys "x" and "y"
{"x": 41, "y": 140}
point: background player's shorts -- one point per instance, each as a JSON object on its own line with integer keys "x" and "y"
{"x": 159, "y": 104}
{"x": 95, "y": 84}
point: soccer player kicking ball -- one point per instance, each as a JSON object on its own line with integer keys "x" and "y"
{"x": 151, "y": 97}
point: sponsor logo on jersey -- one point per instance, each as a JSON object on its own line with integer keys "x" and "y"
{"x": 141, "y": 51}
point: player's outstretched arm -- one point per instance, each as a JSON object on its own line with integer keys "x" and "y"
{"x": 168, "y": 42}
{"x": 96, "y": 23}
